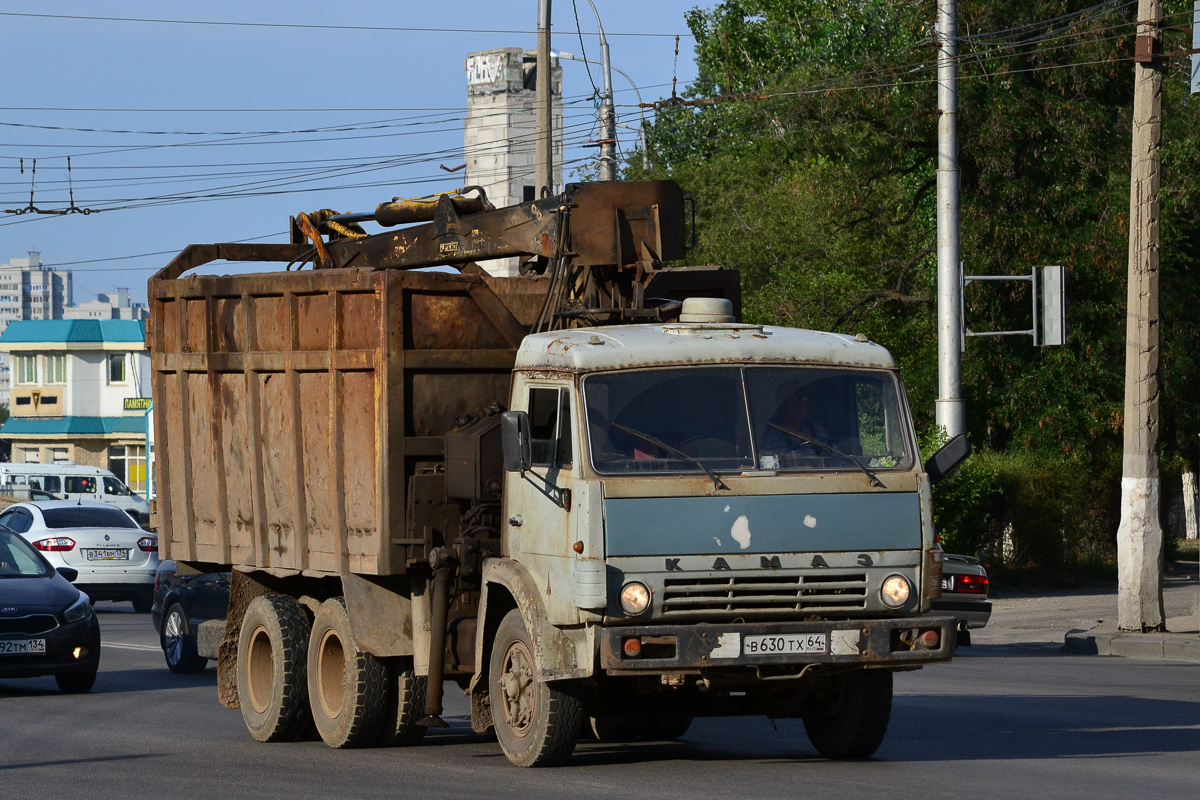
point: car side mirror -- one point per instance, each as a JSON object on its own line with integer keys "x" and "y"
{"x": 949, "y": 458}
{"x": 68, "y": 572}
{"x": 514, "y": 441}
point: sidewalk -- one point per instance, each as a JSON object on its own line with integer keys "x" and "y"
{"x": 1089, "y": 617}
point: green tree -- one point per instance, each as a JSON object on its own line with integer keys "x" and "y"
{"x": 814, "y": 176}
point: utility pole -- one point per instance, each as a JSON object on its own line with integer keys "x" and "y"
{"x": 1140, "y": 536}
{"x": 951, "y": 414}
{"x": 544, "y": 156}
{"x": 608, "y": 114}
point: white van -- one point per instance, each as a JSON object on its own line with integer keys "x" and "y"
{"x": 76, "y": 482}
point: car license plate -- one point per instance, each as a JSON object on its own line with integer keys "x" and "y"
{"x": 784, "y": 643}
{"x": 106, "y": 554}
{"x": 22, "y": 647}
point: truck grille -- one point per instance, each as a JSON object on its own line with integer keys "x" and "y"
{"x": 744, "y": 596}
{"x": 30, "y": 625}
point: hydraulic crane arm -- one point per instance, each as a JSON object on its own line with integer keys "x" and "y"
{"x": 593, "y": 225}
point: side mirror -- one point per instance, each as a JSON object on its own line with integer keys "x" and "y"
{"x": 68, "y": 572}
{"x": 952, "y": 454}
{"x": 514, "y": 441}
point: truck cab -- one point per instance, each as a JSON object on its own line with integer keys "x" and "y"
{"x": 728, "y": 514}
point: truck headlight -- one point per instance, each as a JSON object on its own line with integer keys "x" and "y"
{"x": 896, "y": 591}
{"x": 635, "y": 598}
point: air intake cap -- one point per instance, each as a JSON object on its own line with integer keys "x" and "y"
{"x": 706, "y": 309}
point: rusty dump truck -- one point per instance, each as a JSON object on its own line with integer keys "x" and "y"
{"x": 586, "y": 494}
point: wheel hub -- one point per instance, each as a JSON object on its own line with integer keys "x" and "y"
{"x": 331, "y": 668}
{"x": 517, "y": 689}
{"x": 260, "y": 670}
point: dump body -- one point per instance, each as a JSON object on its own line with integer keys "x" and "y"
{"x": 320, "y": 394}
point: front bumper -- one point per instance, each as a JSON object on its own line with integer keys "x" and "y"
{"x": 866, "y": 643}
{"x": 59, "y": 657}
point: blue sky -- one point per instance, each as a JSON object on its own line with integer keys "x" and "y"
{"x": 162, "y": 114}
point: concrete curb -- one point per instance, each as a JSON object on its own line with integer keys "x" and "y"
{"x": 1169, "y": 646}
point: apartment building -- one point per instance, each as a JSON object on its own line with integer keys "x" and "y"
{"x": 80, "y": 392}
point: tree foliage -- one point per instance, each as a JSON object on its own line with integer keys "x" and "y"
{"x": 815, "y": 173}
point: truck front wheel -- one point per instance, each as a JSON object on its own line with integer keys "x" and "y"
{"x": 537, "y": 722}
{"x": 346, "y": 687}
{"x": 272, "y": 688}
{"x": 848, "y": 713}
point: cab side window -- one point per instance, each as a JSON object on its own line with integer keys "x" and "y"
{"x": 550, "y": 427}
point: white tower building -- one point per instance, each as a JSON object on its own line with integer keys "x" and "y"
{"x": 501, "y": 129}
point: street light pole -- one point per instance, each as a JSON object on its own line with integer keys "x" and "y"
{"x": 638, "y": 92}
{"x": 608, "y": 115}
{"x": 544, "y": 157}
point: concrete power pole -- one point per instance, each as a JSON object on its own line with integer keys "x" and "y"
{"x": 545, "y": 110}
{"x": 951, "y": 413}
{"x": 1140, "y": 536}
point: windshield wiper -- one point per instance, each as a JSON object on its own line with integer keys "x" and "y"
{"x": 806, "y": 438}
{"x": 645, "y": 437}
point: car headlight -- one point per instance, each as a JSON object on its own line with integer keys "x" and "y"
{"x": 896, "y": 591}
{"x": 635, "y": 598}
{"x": 79, "y": 609}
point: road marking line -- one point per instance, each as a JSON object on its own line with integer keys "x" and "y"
{"x": 122, "y": 646}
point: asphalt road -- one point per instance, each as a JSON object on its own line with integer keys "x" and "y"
{"x": 1014, "y": 719}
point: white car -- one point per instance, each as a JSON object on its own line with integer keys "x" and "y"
{"x": 115, "y": 558}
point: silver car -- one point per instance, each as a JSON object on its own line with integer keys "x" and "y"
{"x": 964, "y": 595}
{"x": 115, "y": 559}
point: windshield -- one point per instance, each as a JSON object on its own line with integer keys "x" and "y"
{"x": 19, "y": 560}
{"x": 84, "y": 517}
{"x": 745, "y": 418}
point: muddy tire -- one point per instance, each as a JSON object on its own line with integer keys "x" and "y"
{"x": 271, "y": 674}
{"x": 404, "y": 705}
{"x": 537, "y": 723}
{"x": 848, "y": 713}
{"x": 347, "y": 688}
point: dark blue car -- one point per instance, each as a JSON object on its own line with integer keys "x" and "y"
{"x": 183, "y": 601}
{"x": 47, "y": 626}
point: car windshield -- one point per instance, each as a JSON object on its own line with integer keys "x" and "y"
{"x": 688, "y": 419}
{"x": 19, "y": 560}
{"x": 86, "y": 517}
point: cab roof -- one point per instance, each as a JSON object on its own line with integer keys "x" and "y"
{"x": 675, "y": 344}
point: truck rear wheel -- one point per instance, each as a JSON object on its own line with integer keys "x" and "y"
{"x": 405, "y": 705}
{"x": 848, "y": 713}
{"x": 346, "y": 687}
{"x": 272, "y": 687}
{"x": 537, "y": 722}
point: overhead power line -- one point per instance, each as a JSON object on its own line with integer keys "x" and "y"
{"x": 302, "y": 25}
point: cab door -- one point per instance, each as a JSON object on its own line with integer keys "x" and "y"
{"x": 537, "y": 523}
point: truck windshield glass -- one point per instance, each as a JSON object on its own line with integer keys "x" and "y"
{"x": 746, "y": 418}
